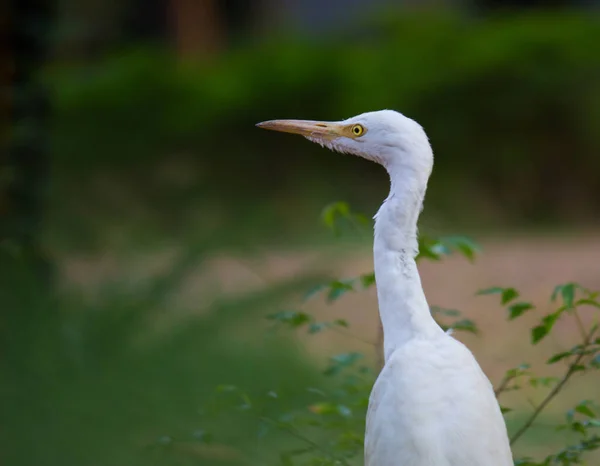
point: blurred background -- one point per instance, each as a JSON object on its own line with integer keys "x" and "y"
{"x": 148, "y": 228}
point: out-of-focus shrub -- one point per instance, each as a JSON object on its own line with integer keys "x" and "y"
{"x": 512, "y": 106}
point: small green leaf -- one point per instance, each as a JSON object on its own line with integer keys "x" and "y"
{"x": 466, "y": 325}
{"x": 314, "y": 291}
{"x": 367, "y": 280}
{"x": 518, "y": 309}
{"x": 567, "y": 293}
{"x": 341, "y": 323}
{"x": 587, "y": 302}
{"x": 317, "y": 327}
{"x": 293, "y": 318}
{"x": 333, "y": 211}
{"x": 462, "y": 244}
{"x": 542, "y": 381}
{"x": 446, "y": 312}
{"x": 539, "y": 332}
{"x": 492, "y": 290}
{"x": 558, "y": 357}
{"x": 508, "y": 294}
{"x": 338, "y": 288}
{"x": 584, "y": 408}
{"x": 342, "y": 360}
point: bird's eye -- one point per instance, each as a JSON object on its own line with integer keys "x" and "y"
{"x": 358, "y": 130}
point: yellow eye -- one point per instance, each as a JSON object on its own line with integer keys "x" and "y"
{"x": 358, "y": 130}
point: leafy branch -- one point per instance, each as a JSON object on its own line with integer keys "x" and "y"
{"x": 575, "y": 366}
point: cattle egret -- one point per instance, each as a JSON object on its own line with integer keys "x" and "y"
{"x": 431, "y": 405}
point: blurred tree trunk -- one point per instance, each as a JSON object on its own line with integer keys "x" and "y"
{"x": 204, "y": 28}
{"x": 198, "y": 27}
{"x": 25, "y": 164}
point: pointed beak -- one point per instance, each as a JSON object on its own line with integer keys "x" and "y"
{"x": 307, "y": 128}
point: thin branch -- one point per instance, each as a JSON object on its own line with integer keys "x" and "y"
{"x": 353, "y": 336}
{"x": 290, "y": 430}
{"x": 503, "y": 385}
{"x": 557, "y": 388}
{"x": 579, "y": 323}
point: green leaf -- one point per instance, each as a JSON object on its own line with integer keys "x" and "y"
{"x": 314, "y": 291}
{"x": 539, "y": 332}
{"x": 559, "y": 357}
{"x": 338, "y": 288}
{"x": 317, "y": 327}
{"x": 587, "y": 302}
{"x": 341, "y": 323}
{"x": 462, "y": 244}
{"x": 542, "y": 381}
{"x": 367, "y": 280}
{"x": 446, "y": 312}
{"x": 341, "y": 361}
{"x": 567, "y": 293}
{"x": 517, "y": 371}
{"x": 508, "y": 294}
{"x": 584, "y": 408}
{"x": 293, "y": 318}
{"x": 333, "y": 211}
{"x": 518, "y": 309}
{"x": 465, "y": 325}
{"x": 492, "y": 290}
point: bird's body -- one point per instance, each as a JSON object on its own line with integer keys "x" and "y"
{"x": 431, "y": 405}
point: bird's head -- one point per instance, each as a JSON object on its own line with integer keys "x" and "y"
{"x": 386, "y": 137}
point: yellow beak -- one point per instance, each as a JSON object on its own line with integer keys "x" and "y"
{"x": 307, "y": 128}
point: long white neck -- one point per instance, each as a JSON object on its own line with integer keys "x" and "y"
{"x": 403, "y": 308}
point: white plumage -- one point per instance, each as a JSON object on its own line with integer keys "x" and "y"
{"x": 431, "y": 405}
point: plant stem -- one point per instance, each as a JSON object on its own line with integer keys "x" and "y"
{"x": 579, "y": 323}
{"x": 502, "y": 385}
{"x": 557, "y": 388}
{"x": 290, "y": 430}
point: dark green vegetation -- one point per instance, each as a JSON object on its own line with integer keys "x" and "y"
{"x": 511, "y": 106}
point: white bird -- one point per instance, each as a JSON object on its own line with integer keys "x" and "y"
{"x": 431, "y": 405}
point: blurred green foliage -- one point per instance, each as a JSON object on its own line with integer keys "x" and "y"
{"x": 512, "y": 106}
{"x": 329, "y": 430}
{"x": 118, "y": 375}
